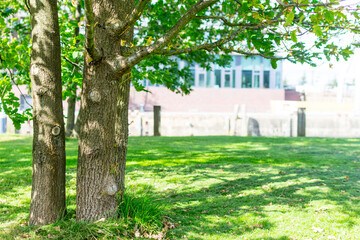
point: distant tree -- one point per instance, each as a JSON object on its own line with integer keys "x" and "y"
{"x": 333, "y": 83}
{"x": 303, "y": 80}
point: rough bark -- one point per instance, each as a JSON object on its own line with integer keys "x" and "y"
{"x": 97, "y": 178}
{"x": 122, "y": 125}
{"x": 122, "y": 133}
{"x": 48, "y": 180}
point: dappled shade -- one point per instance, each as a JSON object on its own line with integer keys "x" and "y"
{"x": 220, "y": 187}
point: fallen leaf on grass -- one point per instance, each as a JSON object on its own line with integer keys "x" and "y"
{"x": 100, "y": 220}
{"x": 224, "y": 191}
{"x": 158, "y": 236}
{"x": 321, "y": 210}
{"x": 25, "y": 236}
{"x": 317, "y": 229}
{"x": 50, "y": 236}
{"x": 256, "y": 226}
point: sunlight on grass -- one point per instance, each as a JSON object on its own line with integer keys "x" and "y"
{"x": 211, "y": 187}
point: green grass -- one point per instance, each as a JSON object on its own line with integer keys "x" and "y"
{"x": 211, "y": 187}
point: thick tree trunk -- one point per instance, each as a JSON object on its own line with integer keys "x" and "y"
{"x": 48, "y": 181}
{"x": 98, "y": 169}
{"x": 70, "y": 121}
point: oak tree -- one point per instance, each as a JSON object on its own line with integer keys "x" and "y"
{"x": 128, "y": 41}
{"x": 125, "y": 36}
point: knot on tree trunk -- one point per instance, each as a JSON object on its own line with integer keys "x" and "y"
{"x": 95, "y": 96}
{"x": 110, "y": 187}
{"x": 55, "y": 131}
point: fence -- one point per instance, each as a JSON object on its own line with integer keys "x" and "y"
{"x": 248, "y": 124}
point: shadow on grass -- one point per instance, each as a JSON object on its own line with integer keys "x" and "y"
{"x": 16, "y": 174}
{"x": 249, "y": 176}
{"x": 226, "y": 185}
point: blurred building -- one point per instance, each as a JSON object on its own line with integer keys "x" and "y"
{"x": 251, "y": 81}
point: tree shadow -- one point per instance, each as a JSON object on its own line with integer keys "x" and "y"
{"x": 234, "y": 178}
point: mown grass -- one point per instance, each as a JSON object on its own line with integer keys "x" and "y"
{"x": 211, "y": 187}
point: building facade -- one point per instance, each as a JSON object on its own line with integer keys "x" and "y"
{"x": 242, "y": 72}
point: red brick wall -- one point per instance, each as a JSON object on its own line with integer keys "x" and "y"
{"x": 292, "y": 95}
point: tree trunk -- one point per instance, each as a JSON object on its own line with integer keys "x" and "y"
{"x": 48, "y": 180}
{"x": 70, "y": 122}
{"x": 122, "y": 123}
{"x": 98, "y": 169}
{"x": 122, "y": 132}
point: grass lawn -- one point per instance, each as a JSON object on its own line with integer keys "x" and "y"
{"x": 214, "y": 187}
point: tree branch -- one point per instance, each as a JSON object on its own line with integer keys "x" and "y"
{"x": 306, "y": 5}
{"x": 72, "y": 63}
{"x": 207, "y": 46}
{"x": 252, "y": 53}
{"x": 228, "y": 23}
{"x": 90, "y": 44}
{"x": 122, "y": 64}
{"x": 17, "y": 86}
{"x": 120, "y": 27}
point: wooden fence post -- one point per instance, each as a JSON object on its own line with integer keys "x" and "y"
{"x": 301, "y": 126}
{"x": 157, "y": 120}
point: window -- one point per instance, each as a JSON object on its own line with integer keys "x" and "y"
{"x": 256, "y": 79}
{"x": 227, "y": 82}
{"x": 201, "y": 80}
{"x": 233, "y": 78}
{"x": 217, "y": 78}
{"x": 208, "y": 79}
{"x": 191, "y": 66}
{"x": 237, "y": 60}
{"x": 246, "y": 81}
{"x": 192, "y": 72}
{"x": 2, "y": 125}
{"x": 266, "y": 79}
{"x": 277, "y": 80}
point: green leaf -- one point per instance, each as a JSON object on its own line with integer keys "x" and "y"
{"x": 293, "y": 36}
{"x": 317, "y": 30}
{"x": 289, "y": 19}
{"x": 329, "y": 16}
{"x": 273, "y": 63}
